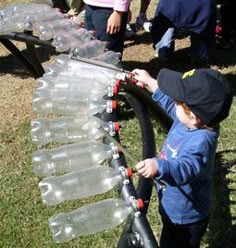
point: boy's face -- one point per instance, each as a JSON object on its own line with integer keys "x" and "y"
{"x": 187, "y": 119}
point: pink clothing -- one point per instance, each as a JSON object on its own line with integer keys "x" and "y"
{"x": 119, "y": 5}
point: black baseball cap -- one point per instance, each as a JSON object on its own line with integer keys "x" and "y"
{"x": 206, "y": 92}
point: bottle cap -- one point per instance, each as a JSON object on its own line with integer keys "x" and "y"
{"x": 113, "y": 104}
{"x": 116, "y": 126}
{"x": 117, "y": 83}
{"x": 129, "y": 172}
{"x": 139, "y": 203}
{"x": 114, "y": 90}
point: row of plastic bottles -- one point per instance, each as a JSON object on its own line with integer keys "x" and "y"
{"x": 19, "y": 17}
{"x": 60, "y": 93}
{"x": 76, "y": 88}
{"x": 50, "y": 24}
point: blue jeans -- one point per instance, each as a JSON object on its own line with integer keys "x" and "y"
{"x": 96, "y": 19}
{"x": 165, "y": 47}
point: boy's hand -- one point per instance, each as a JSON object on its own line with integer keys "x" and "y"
{"x": 114, "y": 22}
{"x": 147, "y": 168}
{"x": 144, "y": 77}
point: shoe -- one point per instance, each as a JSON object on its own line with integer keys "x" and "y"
{"x": 143, "y": 23}
{"x": 129, "y": 34}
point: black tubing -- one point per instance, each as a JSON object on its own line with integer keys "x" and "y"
{"x": 140, "y": 225}
{"x": 145, "y": 97}
{"x": 144, "y": 188}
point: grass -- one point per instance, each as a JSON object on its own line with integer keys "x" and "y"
{"x": 24, "y": 217}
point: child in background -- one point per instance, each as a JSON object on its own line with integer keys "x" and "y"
{"x": 141, "y": 21}
{"x": 108, "y": 18}
{"x": 197, "y": 101}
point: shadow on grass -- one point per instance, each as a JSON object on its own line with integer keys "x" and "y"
{"x": 222, "y": 233}
{"x": 12, "y": 65}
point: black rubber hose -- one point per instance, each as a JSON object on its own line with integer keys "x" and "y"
{"x": 144, "y": 188}
{"x": 154, "y": 109}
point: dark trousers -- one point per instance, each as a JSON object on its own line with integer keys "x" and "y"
{"x": 184, "y": 236}
{"x": 201, "y": 44}
{"x": 96, "y": 19}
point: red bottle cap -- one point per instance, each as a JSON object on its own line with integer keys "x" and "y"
{"x": 113, "y": 104}
{"x": 129, "y": 172}
{"x": 140, "y": 203}
{"x": 117, "y": 83}
{"x": 114, "y": 90}
{"x": 116, "y": 126}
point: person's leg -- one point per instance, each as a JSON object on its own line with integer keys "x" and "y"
{"x": 184, "y": 236}
{"x": 88, "y": 22}
{"x": 165, "y": 47}
{"x": 203, "y": 45}
{"x": 60, "y": 4}
{"x": 96, "y": 19}
{"x": 141, "y": 21}
{"x": 144, "y": 6}
{"x": 162, "y": 35}
{"x": 77, "y": 6}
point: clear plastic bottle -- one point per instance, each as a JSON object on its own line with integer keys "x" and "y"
{"x": 32, "y": 21}
{"x": 70, "y": 106}
{"x": 72, "y": 157}
{"x": 70, "y": 129}
{"x": 81, "y": 184}
{"x": 69, "y": 96}
{"x": 23, "y": 9}
{"x": 92, "y": 218}
{"x": 109, "y": 57}
{"x": 8, "y": 27}
{"x": 47, "y": 30}
{"x": 65, "y": 72}
{"x": 78, "y": 84}
{"x": 109, "y": 70}
{"x": 90, "y": 49}
{"x": 73, "y": 38}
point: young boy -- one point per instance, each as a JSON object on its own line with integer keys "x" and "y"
{"x": 197, "y": 101}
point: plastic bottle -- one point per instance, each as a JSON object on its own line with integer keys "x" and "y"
{"x": 47, "y": 30}
{"x": 60, "y": 71}
{"x": 27, "y": 21}
{"x": 92, "y": 218}
{"x": 72, "y": 157}
{"x": 32, "y": 21}
{"x": 109, "y": 70}
{"x": 90, "y": 49}
{"x": 6, "y": 28}
{"x": 23, "y": 9}
{"x": 49, "y": 82}
{"x": 81, "y": 184}
{"x": 70, "y": 106}
{"x": 109, "y": 57}
{"x": 79, "y": 101}
{"x": 66, "y": 82}
{"x": 70, "y": 129}
{"x": 73, "y": 38}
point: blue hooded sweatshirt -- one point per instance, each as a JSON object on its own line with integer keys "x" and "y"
{"x": 185, "y": 165}
{"x": 193, "y": 15}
